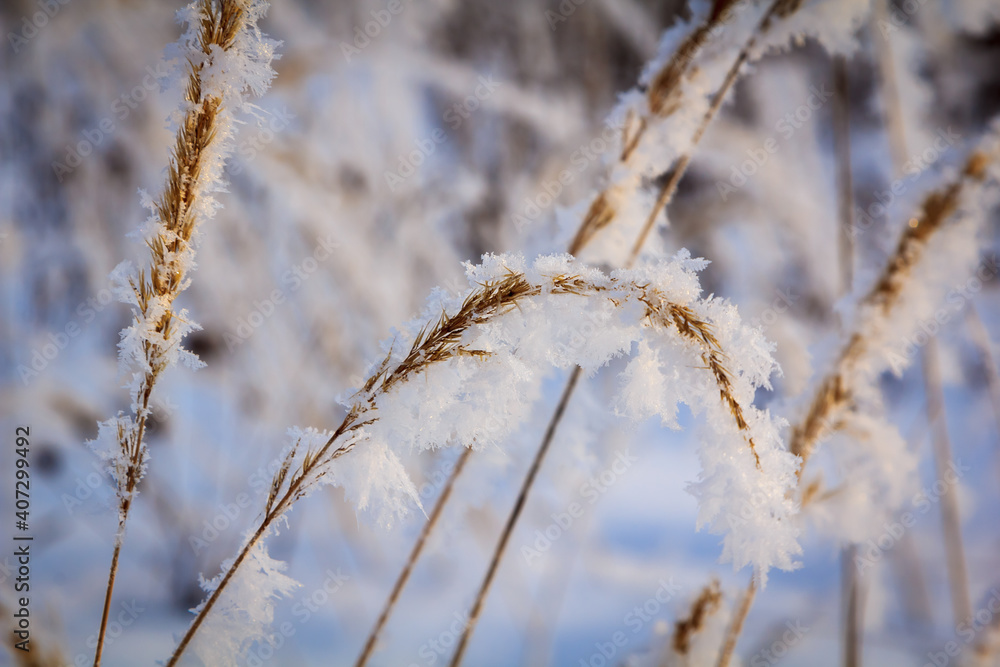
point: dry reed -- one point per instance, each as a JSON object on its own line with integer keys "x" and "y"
{"x": 664, "y": 98}
{"x": 834, "y": 395}
{"x": 835, "y": 392}
{"x": 166, "y": 277}
{"x": 441, "y": 341}
{"x": 665, "y": 87}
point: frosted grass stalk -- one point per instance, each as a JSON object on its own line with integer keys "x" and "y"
{"x": 221, "y": 58}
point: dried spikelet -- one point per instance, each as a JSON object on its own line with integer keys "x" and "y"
{"x": 442, "y": 340}
{"x": 597, "y": 217}
{"x": 812, "y": 491}
{"x": 706, "y": 604}
{"x": 156, "y": 288}
{"x": 689, "y": 326}
{"x": 935, "y": 210}
{"x": 664, "y": 97}
{"x": 664, "y": 89}
{"x": 834, "y": 394}
{"x": 166, "y": 276}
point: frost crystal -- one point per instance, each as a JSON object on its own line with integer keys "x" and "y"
{"x": 467, "y": 371}
{"x": 245, "y": 610}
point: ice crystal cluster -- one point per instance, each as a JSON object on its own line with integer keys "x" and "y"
{"x": 685, "y": 349}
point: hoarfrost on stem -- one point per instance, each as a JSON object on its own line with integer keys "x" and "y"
{"x": 519, "y": 318}
{"x": 220, "y": 59}
{"x": 244, "y": 612}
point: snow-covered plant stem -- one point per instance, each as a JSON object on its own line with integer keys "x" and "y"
{"x": 670, "y": 80}
{"x": 665, "y": 96}
{"x": 890, "y": 306}
{"x": 663, "y": 99}
{"x": 510, "y": 320}
{"x": 685, "y": 88}
{"x": 411, "y": 560}
{"x": 835, "y": 394}
{"x": 225, "y": 55}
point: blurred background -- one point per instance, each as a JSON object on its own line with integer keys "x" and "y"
{"x": 515, "y": 88}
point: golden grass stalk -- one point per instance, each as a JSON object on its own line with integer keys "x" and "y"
{"x": 835, "y": 393}
{"x": 663, "y": 93}
{"x": 665, "y": 98}
{"x": 441, "y": 341}
{"x": 834, "y": 396}
{"x": 166, "y": 278}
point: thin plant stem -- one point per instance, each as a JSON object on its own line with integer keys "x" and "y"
{"x": 852, "y": 604}
{"x": 112, "y": 574}
{"x": 515, "y": 514}
{"x": 418, "y": 548}
{"x": 890, "y": 89}
{"x": 911, "y": 581}
{"x": 673, "y": 178}
{"x": 981, "y": 339}
{"x": 219, "y": 24}
{"x": 958, "y": 579}
{"x": 951, "y": 524}
{"x": 736, "y": 625}
{"x": 845, "y": 180}
{"x": 667, "y": 191}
